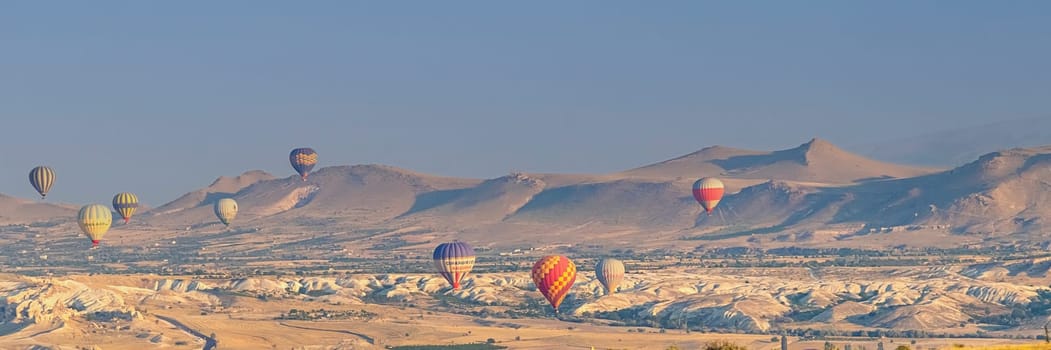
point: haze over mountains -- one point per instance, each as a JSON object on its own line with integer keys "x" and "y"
{"x": 954, "y": 147}
{"x": 815, "y": 193}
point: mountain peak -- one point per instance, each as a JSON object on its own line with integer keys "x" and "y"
{"x": 820, "y": 151}
{"x": 246, "y": 178}
{"x": 817, "y": 146}
{"x": 819, "y": 143}
{"x": 817, "y": 160}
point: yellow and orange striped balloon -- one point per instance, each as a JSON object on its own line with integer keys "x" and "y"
{"x": 554, "y": 276}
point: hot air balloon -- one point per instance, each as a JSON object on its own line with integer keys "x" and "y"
{"x": 303, "y": 160}
{"x": 226, "y": 210}
{"x": 708, "y": 191}
{"x": 42, "y": 178}
{"x": 610, "y": 273}
{"x": 454, "y": 260}
{"x": 554, "y": 276}
{"x": 94, "y": 220}
{"x": 125, "y": 204}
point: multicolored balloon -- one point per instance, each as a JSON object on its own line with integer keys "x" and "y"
{"x": 42, "y": 178}
{"x": 303, "y": 160}
{"x": 125, "y": 204}
{"x": 610, "y": 273}
{"x": 454, "y": 260}
{"x": 94, "y": 220}
{"x": 708, "y": 191}
{"x": 226, "y": 210}
{"x": 554, "y": 276}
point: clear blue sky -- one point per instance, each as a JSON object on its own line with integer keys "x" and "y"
{"x": 160, "y": 98}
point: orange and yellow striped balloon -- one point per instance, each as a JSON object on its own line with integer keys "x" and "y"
{"x": 554, "y": 276}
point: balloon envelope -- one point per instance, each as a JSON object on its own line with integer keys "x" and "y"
{"x": 125, "y": 203}
{"x": 454, "y": 260}
{"x": 303, "y": 160}
{"x": 226, "y": 210}
{"x": 554, "y": 276}
{"x": 42, "y": 178}
{"x": 708, "y": 191}
{"x": 610, "y": 273}
{"x": 94, "y": 221}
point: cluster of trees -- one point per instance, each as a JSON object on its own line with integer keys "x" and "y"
{"x": 484, "y": 346}
{"x": 716, "y": 345}
{"x": 888, "y": 333}
{"x": 1040, "y": 306}
{"x": 108, "y": 316}
{"x": 318, "y": 314}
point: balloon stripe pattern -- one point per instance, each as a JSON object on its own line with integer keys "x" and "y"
{"x": 454, "y": 260}
{"x": 226, "y": 210}
{"x": 610, "y": 273}
{"x": 708, "y": 191}
{"x": 125, "y": 204}
{"x": 42, "y": 178}
{"x": 94, "y": 220}
{"x": 303, "y": 161}
{"x": 554, "y": 276}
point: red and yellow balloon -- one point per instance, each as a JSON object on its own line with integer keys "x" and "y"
{"x": 554, "y": 276}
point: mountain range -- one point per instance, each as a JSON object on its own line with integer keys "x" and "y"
{"x": 815, "y": 193}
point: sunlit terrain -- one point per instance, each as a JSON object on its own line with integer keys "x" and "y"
{"x": 837, "y": 249}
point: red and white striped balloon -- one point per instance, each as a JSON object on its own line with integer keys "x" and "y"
{"x": 708, "y": 191}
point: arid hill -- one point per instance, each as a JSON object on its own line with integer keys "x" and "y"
{"x": 815, "y": 161}
{"x": 223, "y": 186}
{"x": 1001, "y": 193}
{"x": 25, "y": 211}
{"x": 362, "y": 194}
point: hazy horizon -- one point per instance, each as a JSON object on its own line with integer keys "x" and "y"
{"x": 159, "y": 99}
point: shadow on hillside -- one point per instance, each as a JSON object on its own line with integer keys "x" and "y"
{"x": 433, "y": 199}
{"x": 212, "y": 197}
{"x": 745, "y": 162}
